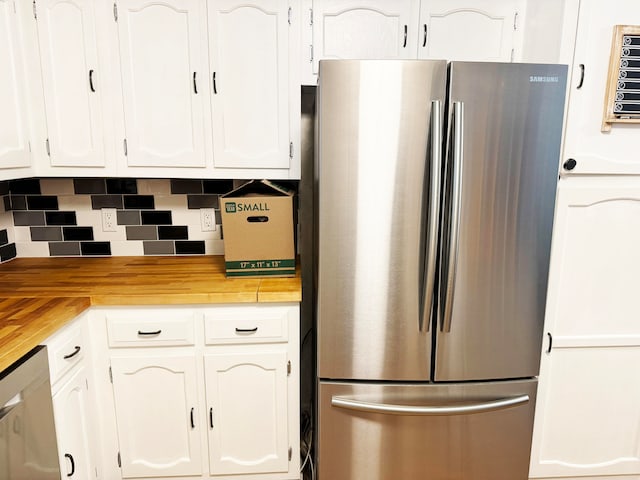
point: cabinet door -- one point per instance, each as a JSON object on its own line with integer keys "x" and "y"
{"x": 164, "y": 81}
{"x": 14, "y": 135}
{"x": 588, "y": 412}
{"x": 596, "y": 151}
{"x": 247, "y": 409}
{"x": 69, "y": 60}
{"x": 363, "y": 29}
{"x": 478, "y": 30}
{"x": 156, "y": 413}
{"x": 73, "y": 428}
{"x": 250, "y": 69}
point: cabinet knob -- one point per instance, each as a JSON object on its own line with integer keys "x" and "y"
{"x": 569, "y": 164}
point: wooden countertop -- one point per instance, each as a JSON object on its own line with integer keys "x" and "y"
{"x": 40, "y": 295}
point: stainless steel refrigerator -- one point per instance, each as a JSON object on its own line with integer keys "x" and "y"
{"x": 436, "y": 195}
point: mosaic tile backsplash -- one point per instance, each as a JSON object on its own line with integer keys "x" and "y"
{"x": 63, "y": 217}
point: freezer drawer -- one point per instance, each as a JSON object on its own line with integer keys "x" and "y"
{"x": 470, "y": 431}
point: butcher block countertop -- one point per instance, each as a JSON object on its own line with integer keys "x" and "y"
{"x": 40, "y": 295}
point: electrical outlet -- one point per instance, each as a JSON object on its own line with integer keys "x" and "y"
{"x": 208, "y": 219}
{"x": 109, "y": 220}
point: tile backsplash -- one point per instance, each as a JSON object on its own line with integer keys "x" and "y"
{"x": 44, "y": 217}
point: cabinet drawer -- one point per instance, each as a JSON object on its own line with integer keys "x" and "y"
{"x": 246, "y": 325}
{"x": 66, "y": 349}
{"x": 133, "y": 331}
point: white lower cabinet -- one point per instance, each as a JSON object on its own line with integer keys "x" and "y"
{"x": 71, "y": 406}
{"x": 72, "y": 391}
{"x": 201, "y": 392}
{"x": 155, "y": 399}
{"x": 587, "y": 420}
{"x": 247, "y": 407}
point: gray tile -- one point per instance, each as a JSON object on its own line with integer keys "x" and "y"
{"x": 218, "y": 217}
{"x": 128, "y": 217}
{"x": 46, "y": 234}
{"x": 146, "y": 232}
{"x": 158, "y": 248}
{"x": 64, "y": 249}
{"x": 21, "y": 219}
{"x": 18, "y": 202}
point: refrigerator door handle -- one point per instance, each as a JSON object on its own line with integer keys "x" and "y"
{"x": 458, "y": 162}
{"x": 390, "y": 409}
{"x": 434, "y": 207}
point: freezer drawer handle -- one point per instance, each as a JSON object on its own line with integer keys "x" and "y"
{"x": 384, "y": 408}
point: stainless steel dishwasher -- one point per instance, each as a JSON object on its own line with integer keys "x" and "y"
{"x": 28, "y": 449}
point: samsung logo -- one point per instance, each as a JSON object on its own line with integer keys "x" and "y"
{"x": 539, "y": 79}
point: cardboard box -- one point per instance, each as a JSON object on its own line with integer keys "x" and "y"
{"x": 257, "y": 223}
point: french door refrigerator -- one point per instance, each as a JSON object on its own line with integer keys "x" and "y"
{"x": 435, "y": 208}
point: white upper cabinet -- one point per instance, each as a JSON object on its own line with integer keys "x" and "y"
{"x": 588, "y": 407}
{"x": 71, "y": 79}
{"x": 363, "y": 29}
{"x": 14, "y": 127}
{"x": 594, "y": 151}
{"x": 468, "y": 30}
{"x": 249, "y": 49}
{"x": 164, "y": 81}
{"x": 478, "y": 30}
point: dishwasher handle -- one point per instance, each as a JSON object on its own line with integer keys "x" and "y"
{"x": 440, "y": 410}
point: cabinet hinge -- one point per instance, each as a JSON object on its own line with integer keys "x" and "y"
{"x": 96, "y": 470}
{"x": 289, "y": 15}
{"x": 311, "y": 16}
{"x": 288, "y": 367}
{"x": 290, "y": 149}
{"x": 86, "y": 382}
{"x": 48, "y": 147}
{"x": 29, "y": 143}
{"x": 110, "y": 375}
{"x": 35, "y": 13}
{"x": 115, "y": 11}
{"x": 515, "y": 21}
{"x": 512, "y": 54}
{"x": 311, "y": 53}
{"x": 126, "y": 151}
{"x": 119, "y": 460}
{"x": 290, "y": 453}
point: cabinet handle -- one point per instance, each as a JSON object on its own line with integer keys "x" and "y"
{"x": 215, "y": 89}
{"x": 76, "y": 351}
{"x": 246, "y": 330}
{"x": 157, "y": 332}
{"x": 211, "y": 417}
{"x": 405, "y": 37}
{"x": 73, "y": 464}
{"x": 193, "y": 425}
{"x": 570, "y": 164}
{"x": 195, "y": 85}
{"x": 424, "y": 40}
{"x": 550, "y": 342}
{"x": 581, "y": 76}
{"x": 91, "y": 86}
